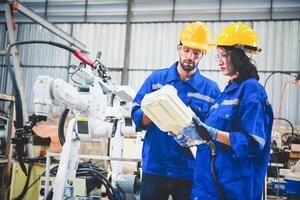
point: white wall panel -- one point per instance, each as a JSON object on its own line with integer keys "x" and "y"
{"x": 107, "y": 38}
{"x": 154, "y": 45}
{"x": 42, "y": 54}
{"x": 3, "y": 69}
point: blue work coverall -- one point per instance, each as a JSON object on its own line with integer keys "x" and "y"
{"x": 161, "y": 154}
{"x": 242, "y": 110}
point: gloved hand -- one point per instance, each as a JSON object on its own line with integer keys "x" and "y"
{"x": 190, "y": 137}
{"x": 212, "y": 131}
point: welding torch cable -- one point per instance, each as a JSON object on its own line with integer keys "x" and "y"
{"x": 203, "y": 133}
{"x": 61, "y": 126}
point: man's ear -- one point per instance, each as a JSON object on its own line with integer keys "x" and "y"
{"x": 178, "y": 47}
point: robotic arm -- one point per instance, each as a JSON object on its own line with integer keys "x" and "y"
{"x": 103, "y": 105}
{"x": 90, "y": 104}
{"x": 95, "y": 103}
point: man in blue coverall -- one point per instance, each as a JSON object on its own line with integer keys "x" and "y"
{"x": 167, "y": 167}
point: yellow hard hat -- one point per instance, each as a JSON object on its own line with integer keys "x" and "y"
{"x": 239, "y": 35}
{"x": 196, "y": 35}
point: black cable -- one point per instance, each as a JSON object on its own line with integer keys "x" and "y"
{"x": 19, "y": 110}
{"x": 21, "y": 196}
{"x": 73, "y": 73}
{"x": 277, "y": 72}
{"x": 88, "y": 170}
{"x": 105, "y": 182}
{"x": 61, "y": 126}
{"x": 111, "y": 102}
{"x": 50, "y": 194}
{"x": 19, "y": 135}
{"x": 38, "y": 178}
{"x": 203, "y": 133}
{"x": 212, "y": 147}
{"x": 289, "y": 122}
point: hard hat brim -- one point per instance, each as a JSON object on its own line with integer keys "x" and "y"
{"x": 195, "y": 45}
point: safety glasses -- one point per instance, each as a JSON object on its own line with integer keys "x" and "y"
{"x": 194, "y": 52}
{"x": 222, "y": 55}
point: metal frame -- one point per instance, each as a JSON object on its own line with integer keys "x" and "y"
{"x": 15, "y": 56}
{"x": 94, "y": 157}
{"x": 49, "y": 26}
{"x": 8, "y": 150}
{"x": 127, "y": 45}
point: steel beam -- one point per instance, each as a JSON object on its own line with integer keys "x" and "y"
{"x": 17, "y": 68}
{"x": 2, "y": 53}
{"x": 125, "y": 70}
{"x": 51, "y": 27}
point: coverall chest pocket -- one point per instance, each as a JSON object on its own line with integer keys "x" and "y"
{"x": 199, "y": 108}
{"x": 225, "y": 117}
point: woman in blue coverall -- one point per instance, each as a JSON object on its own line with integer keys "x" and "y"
{"x": 239, "y": 123}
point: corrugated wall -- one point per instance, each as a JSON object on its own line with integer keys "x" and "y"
{"x": 3, "y": 70}
{"x": 153, "y": 46}
{"x": 41, "y": 54}
{"x": 4, "y": 88}
{"x": 107, "y": 38}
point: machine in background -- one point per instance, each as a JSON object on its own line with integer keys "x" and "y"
{"x": 101, "y": 110}
{"x": 3, "y": 134}
{"x": 283, "y": 177}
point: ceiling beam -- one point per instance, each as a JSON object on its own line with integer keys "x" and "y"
{"x": 49, "y": 26}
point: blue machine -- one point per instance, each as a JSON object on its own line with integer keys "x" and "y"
{"x": 291, "y": 185}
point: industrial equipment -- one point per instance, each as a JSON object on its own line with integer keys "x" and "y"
{"x": 283, "y": 177}
{"x": 98, "y": 115}
{"x": 290, "y": 185}
{"x": 101, "y": 110}
{"x": 3, "y": 134}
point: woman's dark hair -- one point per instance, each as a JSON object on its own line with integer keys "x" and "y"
{"x": 241, "y": 63}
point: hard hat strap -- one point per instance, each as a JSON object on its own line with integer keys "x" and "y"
{"x": 247, "y": 47}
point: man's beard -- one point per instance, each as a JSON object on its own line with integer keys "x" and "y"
{"x": 188, "y": 65}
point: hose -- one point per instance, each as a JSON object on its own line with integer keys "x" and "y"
{"x": 212, "y": 147}
{"x": 203, "y": 133}
{"x": 61, "y": 126}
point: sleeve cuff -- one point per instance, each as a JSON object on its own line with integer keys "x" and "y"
{"x": 137, "y": 118}
{"x": 244, "y": 145}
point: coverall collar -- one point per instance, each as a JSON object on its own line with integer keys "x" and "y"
{"x": 173, "y": 75}
{"x": 232, "y": 86}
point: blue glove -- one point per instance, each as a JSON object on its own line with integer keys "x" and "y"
{"x": 190, "y": 137}
{"x": 212, "y": 131}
